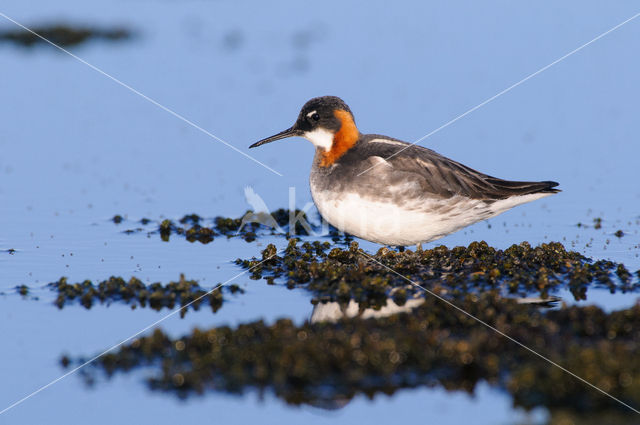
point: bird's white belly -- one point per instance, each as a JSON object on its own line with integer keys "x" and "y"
{"x": 413, "y": 222}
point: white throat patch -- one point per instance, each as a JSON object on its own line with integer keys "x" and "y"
{"x": 320, "y": 137}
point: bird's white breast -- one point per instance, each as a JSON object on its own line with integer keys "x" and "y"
{"x": 412, "y": 222}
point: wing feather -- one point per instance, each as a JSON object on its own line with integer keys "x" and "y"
{"x": 442, "y": 176}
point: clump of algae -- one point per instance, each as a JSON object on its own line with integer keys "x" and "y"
{"x": 135, "y": 293}
{"x": 249, "y": 227}
{"x": 336, "y": 274}
{"x": 192, "y": 228}
{"x": 62, "y": 35}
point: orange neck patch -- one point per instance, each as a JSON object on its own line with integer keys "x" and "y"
{"x": 343, "y": 140}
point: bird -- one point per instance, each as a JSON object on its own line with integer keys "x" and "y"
{"x": 391, "y": 192}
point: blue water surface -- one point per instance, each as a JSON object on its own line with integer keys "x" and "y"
{"x": 76, "y": 148}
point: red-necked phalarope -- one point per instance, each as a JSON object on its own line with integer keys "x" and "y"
{"x": 411, "y": 195}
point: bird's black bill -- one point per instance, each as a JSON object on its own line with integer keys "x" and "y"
{"x": 290, "y": 132}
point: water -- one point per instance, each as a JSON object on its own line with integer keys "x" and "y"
{"x": 78, "y": 148}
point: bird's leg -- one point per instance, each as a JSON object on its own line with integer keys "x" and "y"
{"x": 419, "y": 247}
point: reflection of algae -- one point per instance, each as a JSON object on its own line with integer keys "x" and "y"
{"x": 136, "y": 293}
{"x": 62, "y": 35}
{"x": 434, "y": 345}
{"x": 344, "y": 274}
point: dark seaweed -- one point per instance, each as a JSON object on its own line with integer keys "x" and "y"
{"x": 135, "y": 293}
{"x": 335, "y": 274}
{"x": 196, "y": 228}
{"x": 62, "y": 35}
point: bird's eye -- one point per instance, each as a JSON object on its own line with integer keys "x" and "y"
{"x": 315, "y": 117}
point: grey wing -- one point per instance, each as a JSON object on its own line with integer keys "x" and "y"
{"x": 444, "y": 177}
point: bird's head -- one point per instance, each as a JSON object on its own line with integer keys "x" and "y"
{"x": 328, "y": 123}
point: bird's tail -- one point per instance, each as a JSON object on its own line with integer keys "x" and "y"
{"x": 523, "y": 188}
